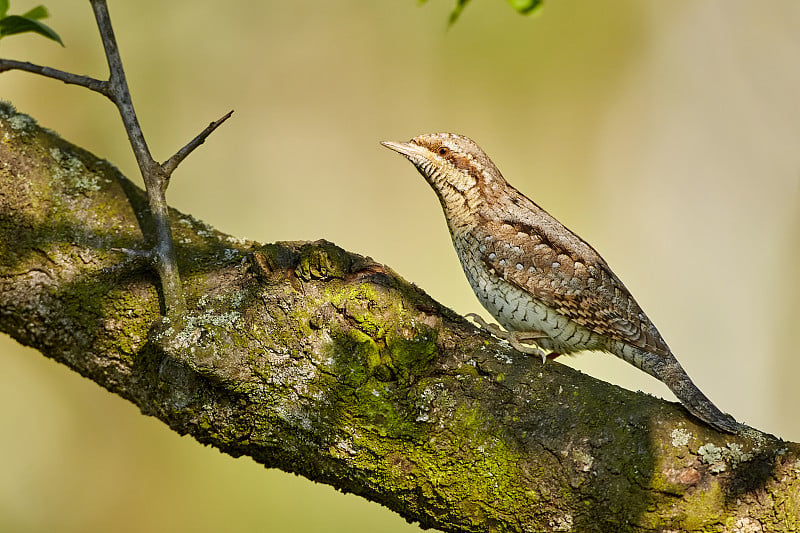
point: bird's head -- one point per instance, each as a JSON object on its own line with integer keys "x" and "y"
{"x": 454, "y": 165}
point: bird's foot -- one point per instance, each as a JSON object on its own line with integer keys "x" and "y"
{"x": 516, "y": 338}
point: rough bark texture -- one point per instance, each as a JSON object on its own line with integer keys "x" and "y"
{"x": 322, "y": 362}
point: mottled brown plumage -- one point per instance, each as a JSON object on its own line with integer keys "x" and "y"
{"x": 542, "y": 282}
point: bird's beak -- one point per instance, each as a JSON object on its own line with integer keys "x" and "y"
{"x": 409, "y": 150}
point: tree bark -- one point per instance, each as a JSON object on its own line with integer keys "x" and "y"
{"x": 325, "y": 363}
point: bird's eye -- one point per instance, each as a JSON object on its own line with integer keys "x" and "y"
{"x": 443, "y": 151}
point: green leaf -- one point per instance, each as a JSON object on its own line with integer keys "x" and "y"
{"x": 460, "y": 5}
{"x": 14, "y": 24}
{"x": 37, "y": 13}
{"x": 525, "y": 6}
{"x": 3, "y": 8}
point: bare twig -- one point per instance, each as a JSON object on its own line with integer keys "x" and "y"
{"x": 172, "y": 163}
{"x": 156, "y": 176}
{"x": 92, "y": 84}
{"x": 120, "y": 94}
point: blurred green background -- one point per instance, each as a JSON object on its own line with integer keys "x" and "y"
{"x": 667, "y": 134}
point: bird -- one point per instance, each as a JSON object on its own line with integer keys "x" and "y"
{"x": 547, "y": 287}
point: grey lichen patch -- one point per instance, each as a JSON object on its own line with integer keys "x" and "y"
{"x": 424, "y": 405}
{"x": 746, "y": 524}
{"x": 209, "y": 314}
{"x": 200, "y": 228}
{"x": 239, "y": 241}
{"x": 433, "y": 405}
{"x": 579, "y": 462}
{"x": 737, "y": 455}
{"x": 211, "y": 339}
{"x": 23, "y": 124}
{"x": 562, "y": 523}
{"x": 187, "y": 338}
{"x": 234, "y": 300}
{"x": 70, "y": 171}
{"x": 504, "y": 357}
{"x": 583, "y": 459}
{"x": 229, "y": 254}
{"x": 680, "y": 437}
{"x": 721, "y": 458}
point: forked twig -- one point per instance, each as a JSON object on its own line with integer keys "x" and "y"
{"x": 155, "y": 175}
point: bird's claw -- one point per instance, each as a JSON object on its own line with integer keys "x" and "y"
{"x": 514, "y": 338}
{"x": 494, "y": 329}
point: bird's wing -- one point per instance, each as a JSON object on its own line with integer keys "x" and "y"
{"x": 570, "y": 277}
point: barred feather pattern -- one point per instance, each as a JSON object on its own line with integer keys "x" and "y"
{"x": 534, "y": 275}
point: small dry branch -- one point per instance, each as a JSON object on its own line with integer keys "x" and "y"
{"x": 156, "y": 175}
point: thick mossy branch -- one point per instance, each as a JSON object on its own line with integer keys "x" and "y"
{"x": 322, "y": 362}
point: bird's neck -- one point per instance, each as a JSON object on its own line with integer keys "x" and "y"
{"x": 461, "y": 209}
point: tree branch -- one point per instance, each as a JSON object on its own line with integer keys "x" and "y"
{"x": 324, "y": 363}
{"x": 172, "y": 163}
{"x": 98, "y": 86}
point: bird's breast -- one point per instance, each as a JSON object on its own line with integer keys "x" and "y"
{"x": 516, "y": 309}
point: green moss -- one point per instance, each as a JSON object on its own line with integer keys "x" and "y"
{"x": 405, "y": 350}
{"x": 699, "y": 508}
{"x": 128, "y": 319}
{"x": 356, "y": 358}
{"x": 359, "y": 303}
{"x": 467, "y": 371}
{"x": 661, "y": 484}
{"x": 366, "y": 354}
{"x": 414, "y": 356}
{"x": 365, "y": 320}
{"x": 322, "y": 260}
{"x": 486, "y": 478}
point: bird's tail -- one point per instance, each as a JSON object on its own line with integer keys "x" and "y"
{"x": 668, "y": 370}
